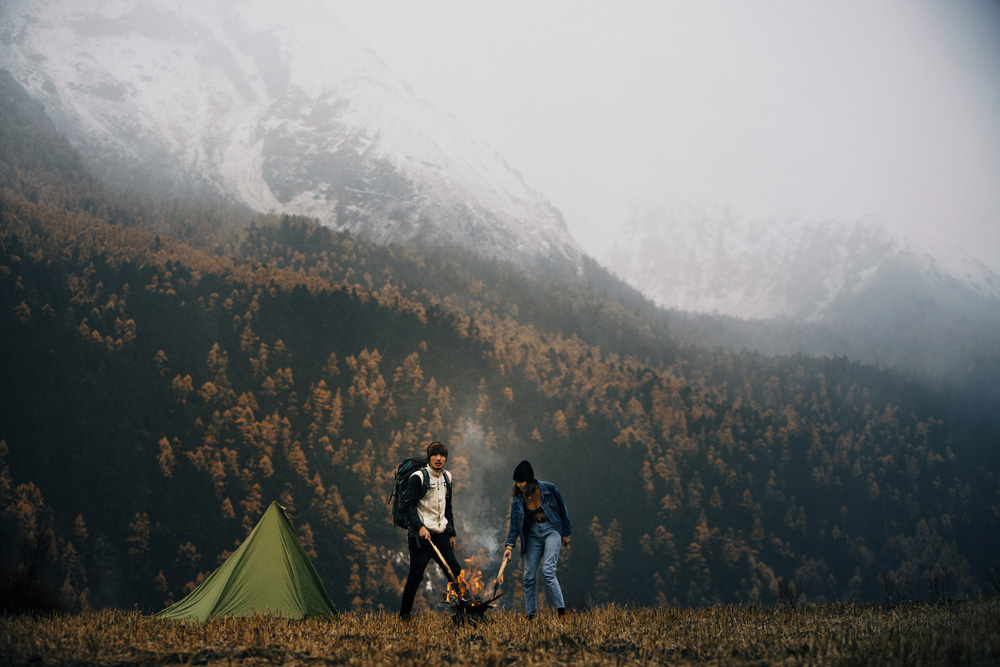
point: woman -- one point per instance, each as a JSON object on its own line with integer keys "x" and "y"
{"x": 538, "y": 514}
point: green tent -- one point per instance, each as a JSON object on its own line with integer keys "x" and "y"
{"x": 269, "y": 575}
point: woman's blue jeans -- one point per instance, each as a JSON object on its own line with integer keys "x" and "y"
{"x": 544, "y": 544}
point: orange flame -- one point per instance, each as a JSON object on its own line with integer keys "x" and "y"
{"x": 468, "y": 584}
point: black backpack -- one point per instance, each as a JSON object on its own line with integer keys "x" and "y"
{"x": 404, "y": 471}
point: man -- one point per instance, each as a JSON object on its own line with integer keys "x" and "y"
{"x": 429, "y": 518}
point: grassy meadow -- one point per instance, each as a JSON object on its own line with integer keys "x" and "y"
{"x": 837, "y": 634}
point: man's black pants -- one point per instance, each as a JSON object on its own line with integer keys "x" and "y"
{"x": 421, "y": 553}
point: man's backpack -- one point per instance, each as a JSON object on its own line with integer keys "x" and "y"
{"x": 404, "y": 471}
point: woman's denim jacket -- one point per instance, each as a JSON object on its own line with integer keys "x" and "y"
{"x": 555, "y": 512}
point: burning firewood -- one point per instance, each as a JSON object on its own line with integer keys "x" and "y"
{"x": 467, "y": 594}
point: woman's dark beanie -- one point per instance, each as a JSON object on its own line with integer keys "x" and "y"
{"x": 524, "y": 472}
{"x": 437, "y": 448}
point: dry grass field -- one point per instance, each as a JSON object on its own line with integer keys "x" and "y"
{"x": 965, "y": 633}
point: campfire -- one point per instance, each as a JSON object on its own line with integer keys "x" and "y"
{"x": 467, "y": 594}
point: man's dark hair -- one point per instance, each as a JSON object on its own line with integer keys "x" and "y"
{"x": 437, "y": 448}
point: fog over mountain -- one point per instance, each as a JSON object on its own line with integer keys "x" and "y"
{"x": 275, "y": 107}
{"x": 811, "y": 270}
{"x": 856, "y": 288}
{"x": 846, "y": 110}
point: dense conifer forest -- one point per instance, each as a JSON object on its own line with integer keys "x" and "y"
{"x": 171, "y": 366}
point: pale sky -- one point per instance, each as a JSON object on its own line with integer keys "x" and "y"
{"x": 878, "y": 108}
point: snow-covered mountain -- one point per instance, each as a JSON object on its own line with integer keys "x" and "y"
{"x": 274, "y": 105}
{"x": 858, "y": 289}
{"x": 720, "y": 262}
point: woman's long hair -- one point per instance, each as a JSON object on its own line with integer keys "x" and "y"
{"x": 528, "y": 490}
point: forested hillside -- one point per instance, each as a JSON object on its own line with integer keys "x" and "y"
{"x": 171, "y": 367}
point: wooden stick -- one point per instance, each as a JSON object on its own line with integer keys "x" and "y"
{"x": 499, "y": 579}
{"x": 447, "y": 568}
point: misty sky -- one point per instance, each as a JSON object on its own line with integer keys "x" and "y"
{"x": 887, "y": 109}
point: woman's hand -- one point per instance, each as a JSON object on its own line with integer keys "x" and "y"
{"x": 507, "y": 550}
{"x": 565, "y": 540}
